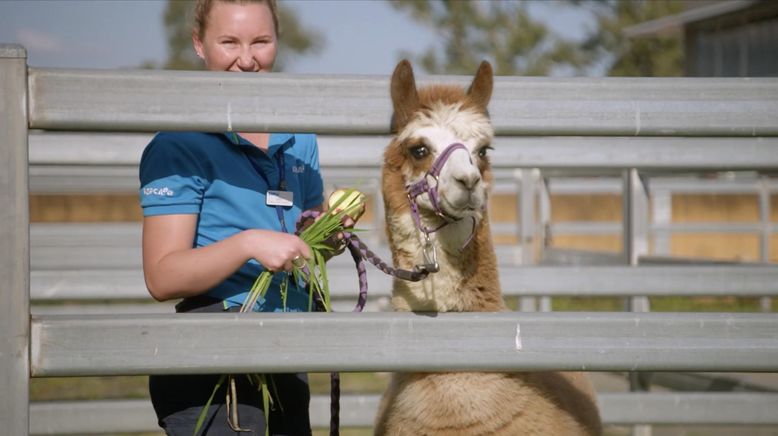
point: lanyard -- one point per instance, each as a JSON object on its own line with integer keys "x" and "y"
{"x": 281, "y": 182}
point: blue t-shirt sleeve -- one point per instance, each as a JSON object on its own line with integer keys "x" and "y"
{"x": 173, "y": 177}
{"x": 314, "y": 189}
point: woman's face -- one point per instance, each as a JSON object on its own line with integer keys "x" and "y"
{"x": 238, "y": 37}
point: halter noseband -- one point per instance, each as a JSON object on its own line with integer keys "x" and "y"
{"x": 423, "y": 187}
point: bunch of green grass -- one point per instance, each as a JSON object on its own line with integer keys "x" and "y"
{"x": 321, "y": 237}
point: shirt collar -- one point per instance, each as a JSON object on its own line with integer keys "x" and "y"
{"x": 275, "y": 142}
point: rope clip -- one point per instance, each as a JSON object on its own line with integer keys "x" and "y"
{"x": 430, "y": 254}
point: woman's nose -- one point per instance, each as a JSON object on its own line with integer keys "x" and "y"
{"x": 246, "y": 60}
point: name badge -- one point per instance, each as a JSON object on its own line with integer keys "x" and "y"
{"x": 279, "y": 198}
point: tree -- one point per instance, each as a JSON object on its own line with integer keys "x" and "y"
{"x": 639, "y": 56}
{"x": 504, "y": 33}
{"x": 501, "y": 32}
{"x": 294, "y": 39}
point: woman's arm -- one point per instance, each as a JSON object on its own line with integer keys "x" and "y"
{"x": 173, "y": 269}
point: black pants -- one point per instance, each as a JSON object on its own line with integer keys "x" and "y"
{"x": 178, "y": 400}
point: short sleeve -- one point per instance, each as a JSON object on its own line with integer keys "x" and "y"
{"x": 172, "y": 176}
{"x": 314, "y": 185}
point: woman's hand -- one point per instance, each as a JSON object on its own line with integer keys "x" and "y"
{"x": 174, "y": 269}
{"x": 276, "y": 251}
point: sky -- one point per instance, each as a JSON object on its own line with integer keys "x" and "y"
{"x": 360, "y": 36}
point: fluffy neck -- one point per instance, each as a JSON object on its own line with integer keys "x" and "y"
{"x": 467, "y": 280}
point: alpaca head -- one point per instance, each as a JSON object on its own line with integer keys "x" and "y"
{"x": 426, "y": 122}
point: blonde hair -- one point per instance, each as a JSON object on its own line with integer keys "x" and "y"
{"x": 203, "y": 8}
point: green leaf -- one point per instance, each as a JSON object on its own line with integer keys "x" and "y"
{"x": 204, "y": 413}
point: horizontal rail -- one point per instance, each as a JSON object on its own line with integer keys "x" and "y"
{"x": 117, "y": 150}
{"x": 125, "y": 416}
{"x": 710, "y": 382}
{"x": 95, "y": 148}
{"x": 688, "y": 408}
{"x": 653, "y": 281}
{"x": 135, "y": 100}
{"x": 708, "y": 227}
{"x": 665, "y": 184}
{"x": 65, "y": 162}
{"x": 81, "y": 246}
{"x": 615, "y": 228}
{"x": 319, "y": 342}
{"x": 593, "y": 281}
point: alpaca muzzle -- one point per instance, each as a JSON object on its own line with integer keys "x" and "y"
{"x": 423, "y": 186}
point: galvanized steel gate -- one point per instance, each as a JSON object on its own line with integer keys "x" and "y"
{"x": 620, "y": 126}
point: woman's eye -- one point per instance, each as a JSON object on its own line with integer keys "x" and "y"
{"x": 419, "y": 151}
{"x": 484, "y": 151}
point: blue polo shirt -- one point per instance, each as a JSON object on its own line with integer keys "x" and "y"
{"x": 223, "y": 178}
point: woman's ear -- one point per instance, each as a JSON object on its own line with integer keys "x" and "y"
{"x": 198, "y": 45}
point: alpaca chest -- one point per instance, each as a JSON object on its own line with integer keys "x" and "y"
{"x": 458, "y": 403}
{"x": 440, "y": 291}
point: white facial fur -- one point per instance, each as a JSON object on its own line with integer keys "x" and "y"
{"x": 461, "y": 191}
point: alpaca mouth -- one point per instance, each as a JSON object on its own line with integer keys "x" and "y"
{"x": 461, "y": 209}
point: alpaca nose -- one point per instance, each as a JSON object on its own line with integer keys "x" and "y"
{"x": 469, "y": 180}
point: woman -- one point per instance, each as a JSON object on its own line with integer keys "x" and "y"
{"x": 218, "y": 209}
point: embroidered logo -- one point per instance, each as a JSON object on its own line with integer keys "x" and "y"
{"x": 298, "y": 169}
{"x": 162, "y": 192}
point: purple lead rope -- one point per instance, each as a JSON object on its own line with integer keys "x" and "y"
{"x": 359, "y": 252}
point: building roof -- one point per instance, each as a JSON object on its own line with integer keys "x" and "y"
{"x": 674, "y": 23}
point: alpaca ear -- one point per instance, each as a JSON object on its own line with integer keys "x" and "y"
{"x": 405, "y": 98}
{"x": 480, "y": 90}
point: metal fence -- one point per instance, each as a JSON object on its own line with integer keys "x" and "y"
{"x": 627, "y": 128}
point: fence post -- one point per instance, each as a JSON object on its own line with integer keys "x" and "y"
{"x": 763, "y": 184}
{"x": 527, "y": 179}
{"x": 15, "y": 246}
{"x": 634, "y": 244}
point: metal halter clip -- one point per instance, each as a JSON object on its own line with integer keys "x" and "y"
{"x": 430, "y": 264}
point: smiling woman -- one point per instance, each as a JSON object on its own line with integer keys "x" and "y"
{"x": 213, "y": 223}
{"x": 233, "y": 36}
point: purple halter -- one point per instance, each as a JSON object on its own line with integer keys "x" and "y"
{"x": 421, "y": 187}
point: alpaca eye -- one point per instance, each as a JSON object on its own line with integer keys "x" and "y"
{"x": 419, "y": 151}
{"x": 483, "y": 151}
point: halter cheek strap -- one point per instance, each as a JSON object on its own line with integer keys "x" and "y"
{"x": 423, "y": 187}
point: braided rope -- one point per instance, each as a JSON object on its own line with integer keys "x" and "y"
{"x": 359, "y": 252}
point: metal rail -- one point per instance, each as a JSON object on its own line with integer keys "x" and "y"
{"x": 63, "y": 99}
{"x": 582, "y": 124}
{"x": 516, "y": 280}
{"x": 15, "y": 248}
{"x": 322, "y": 342}
{"x": 125, "y": 416}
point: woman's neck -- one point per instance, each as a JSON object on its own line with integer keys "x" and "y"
{"x": 259, "y": 139}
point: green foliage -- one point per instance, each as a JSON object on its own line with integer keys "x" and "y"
{"x": 294, "y": 40}
{"x": 504, "y": 33}
{"x": 646, "y": 56}
{"x": 501, "y": 32}
{"x": 178, "y": 28}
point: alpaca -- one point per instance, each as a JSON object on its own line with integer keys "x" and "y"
{"x": 451, "y": 229}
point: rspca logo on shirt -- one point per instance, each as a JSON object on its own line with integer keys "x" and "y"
{"x": 161, "y": 192}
